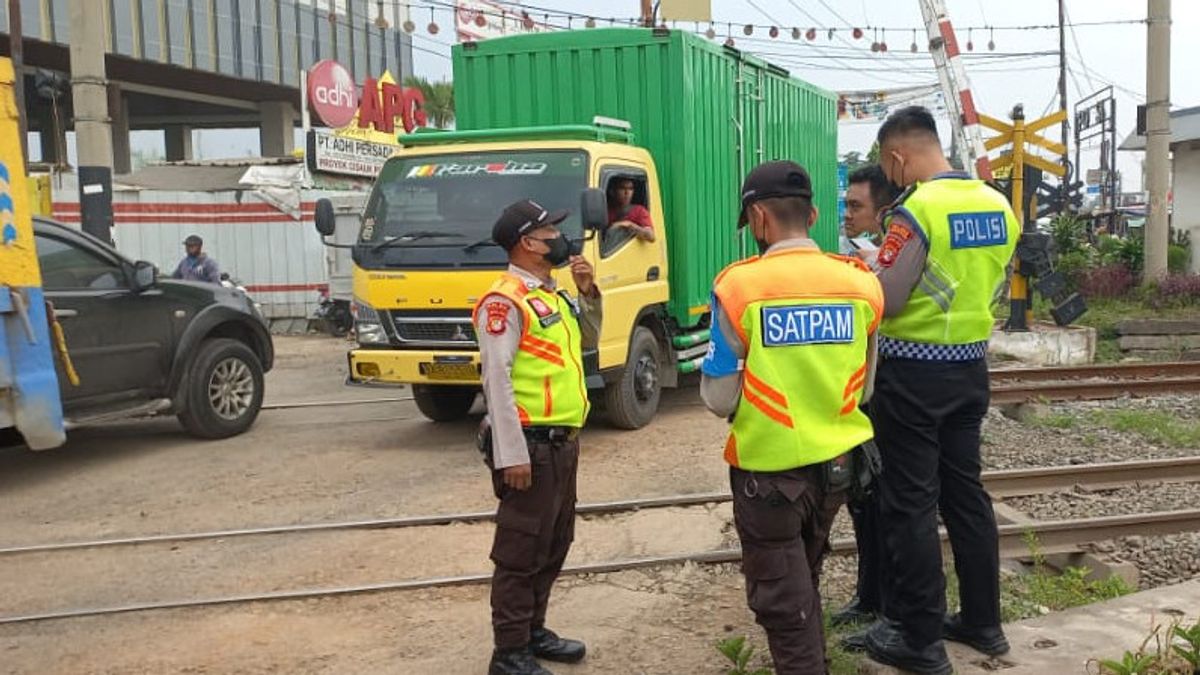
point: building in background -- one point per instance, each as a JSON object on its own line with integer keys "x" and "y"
{"x": 179, "y": 65}
{"x": 1184, "y": 195}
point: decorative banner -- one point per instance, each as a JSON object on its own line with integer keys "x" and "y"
{"x": 477, "y": 20}
{"x": 331, "y": 153}
{"x": 872, "y": 106}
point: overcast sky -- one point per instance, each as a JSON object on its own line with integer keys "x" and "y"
{"x": 1097, "y": 56}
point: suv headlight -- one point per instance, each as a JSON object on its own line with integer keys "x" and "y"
{"x": 367, "y": 325}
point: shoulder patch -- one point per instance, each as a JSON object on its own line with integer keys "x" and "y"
{"x": 897, "y": 236}
{"x": 497, "y": 317}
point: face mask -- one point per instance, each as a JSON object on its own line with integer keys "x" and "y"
{"x": 560, "y": 250}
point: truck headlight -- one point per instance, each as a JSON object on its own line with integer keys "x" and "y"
{"x": 367, "y": 325}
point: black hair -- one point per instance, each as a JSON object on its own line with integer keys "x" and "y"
{"x": 913, "y": 119}
{"x": 789, "y": 211}
{"x": 883, "y": 191}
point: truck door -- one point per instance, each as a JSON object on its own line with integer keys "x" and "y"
{"x": 630, "y": 272}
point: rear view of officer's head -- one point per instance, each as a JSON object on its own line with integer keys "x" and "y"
{"x": 777, "y": 203}
{"x": 909, "y": 147}
{"x": 531, "y": 236}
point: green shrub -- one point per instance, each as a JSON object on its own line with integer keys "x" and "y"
{"x": 1177, "y": 259}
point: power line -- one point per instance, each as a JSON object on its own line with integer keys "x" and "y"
{"x": 1075, "y": 40}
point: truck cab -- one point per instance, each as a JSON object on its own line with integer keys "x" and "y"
{"x": 423, "y": 257}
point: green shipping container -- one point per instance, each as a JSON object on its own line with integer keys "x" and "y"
{"x": 706, "y": 113}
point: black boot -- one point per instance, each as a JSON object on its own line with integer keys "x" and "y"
{"x": 989, "y": 640}
{"x": 545, "y": 644}
{"x": 857, "y": 641}
{"x": 853, "y": 612}
{"x": 518, "y": 661}
{"x": 887, "y": 645}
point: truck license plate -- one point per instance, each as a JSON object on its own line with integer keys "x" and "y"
{"x": 450, "y": 371}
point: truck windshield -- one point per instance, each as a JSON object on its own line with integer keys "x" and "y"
{"x": 429, "y": 210}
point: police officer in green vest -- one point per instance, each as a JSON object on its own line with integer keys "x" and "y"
{"x": 942, "y": 266}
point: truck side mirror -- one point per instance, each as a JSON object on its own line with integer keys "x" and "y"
{"x": 593, "y": 207}
{"x": 324, "y": 217}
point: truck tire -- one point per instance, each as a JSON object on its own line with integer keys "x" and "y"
{"x": 632, "y": 400}
{"x": 444, "y": 403}
{"x": 224, "y": 389}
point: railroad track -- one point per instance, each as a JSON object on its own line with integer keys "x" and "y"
{"x": 1002, "y": 484}
{"x": 1008, "y": 385}
{"x": 1053, "y": 536}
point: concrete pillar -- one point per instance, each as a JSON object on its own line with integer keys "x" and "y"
{"x": 118, "y": 110}
{"x": 179, "y": 142}
{"x": 89, "y": 93}
{"x": 89, "y": 84}
{"x": 277, "y": 130}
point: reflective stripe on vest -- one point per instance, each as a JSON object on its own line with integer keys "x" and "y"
{"x": 972, "y": 233}
{"x": 805, "y": 318}
{"x": 547, "y": 372}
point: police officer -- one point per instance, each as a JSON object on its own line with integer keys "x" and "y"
{"x": 790, "y": 358}
{"x": 942, "y": 265}
{"x": 868, "y": 195}
{"x": 531, "y": 337}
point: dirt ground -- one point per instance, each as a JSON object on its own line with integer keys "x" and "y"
{"x": 336, "y": 463}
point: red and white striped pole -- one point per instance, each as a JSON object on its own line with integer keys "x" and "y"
{"x": 956, "y": 88}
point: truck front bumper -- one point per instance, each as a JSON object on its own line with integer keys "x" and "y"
{"x": 391, "y": 367}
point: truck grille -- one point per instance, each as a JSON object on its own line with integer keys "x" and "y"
{"x": 435, "y": 331}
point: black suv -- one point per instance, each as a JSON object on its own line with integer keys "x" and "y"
{"x": 143, "y": 345}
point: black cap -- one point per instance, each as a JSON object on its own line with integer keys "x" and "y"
{"x": 193, "y": 240}
{"x": 521, "y": 218}
{"x": 781, "y": 178}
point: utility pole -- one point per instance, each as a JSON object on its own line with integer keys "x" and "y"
{"x": 1158, "y": 134}
{"x": 93, "y": 133}
{"x": 16, "y": 46}
{"x": 648, "y": 13}
{"x": 1062, "y": 72}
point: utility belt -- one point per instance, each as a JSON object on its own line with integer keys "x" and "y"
{"x": 853, "y": 472}
{"x": 537, "y": 434}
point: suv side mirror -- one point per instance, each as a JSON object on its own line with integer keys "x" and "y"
{"x": 324, "y": 217}
{"x": 593, "y": 207}
{"x": 145, "y": 275}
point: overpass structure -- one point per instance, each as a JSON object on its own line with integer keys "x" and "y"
{"x": 179, "y": 65}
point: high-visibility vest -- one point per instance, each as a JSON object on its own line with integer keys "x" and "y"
{"x": 547, "y": 372}
{"x": 805, "y": 318}
{"x": 972, "y": 233}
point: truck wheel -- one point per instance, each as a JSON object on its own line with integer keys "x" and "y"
{"x": 444, "y": 403}
{"x": 224, "y": 389}
{"x": 632, "y": 400}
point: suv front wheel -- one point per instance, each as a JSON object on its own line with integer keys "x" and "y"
{"x": 224, "y": 389}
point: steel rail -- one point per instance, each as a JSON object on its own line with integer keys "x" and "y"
{"x": 1052, "y": 536}
{"x": 1000, "y": 483}
{"x": 327, "y": 404}
{"x": 1090, "y": 389}
{"x": 1116, "y": 370}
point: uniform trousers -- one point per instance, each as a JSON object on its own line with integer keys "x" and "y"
{"x": 868, "y": 539}
{"x": 783, "y": 521}
{"x": 927, "y": 417}
{"x": 534, "y": 531}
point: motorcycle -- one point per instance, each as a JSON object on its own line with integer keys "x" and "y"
{"x": 333, "y": 315}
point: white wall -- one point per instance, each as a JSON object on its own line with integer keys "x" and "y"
{"x": 1185, "y": 181}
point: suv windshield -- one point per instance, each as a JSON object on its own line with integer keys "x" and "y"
{"x": 429, "y": 210}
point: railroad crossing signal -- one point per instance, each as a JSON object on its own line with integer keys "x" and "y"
{"x": 1033, "y": 250}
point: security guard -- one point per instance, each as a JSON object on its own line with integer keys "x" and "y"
{"x": 790, "y": 358}
{"x": 531, "y": 337}
{"x": 942, "y": 265}
{"x": 868, "y": 196}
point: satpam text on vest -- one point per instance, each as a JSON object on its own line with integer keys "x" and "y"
{"x": 805, "y": 324}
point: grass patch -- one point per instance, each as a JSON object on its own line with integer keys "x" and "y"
{"x": 1055, "y": 421}
{"x": 1155, "y": 426}
{"x": 1043, "y": 591}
